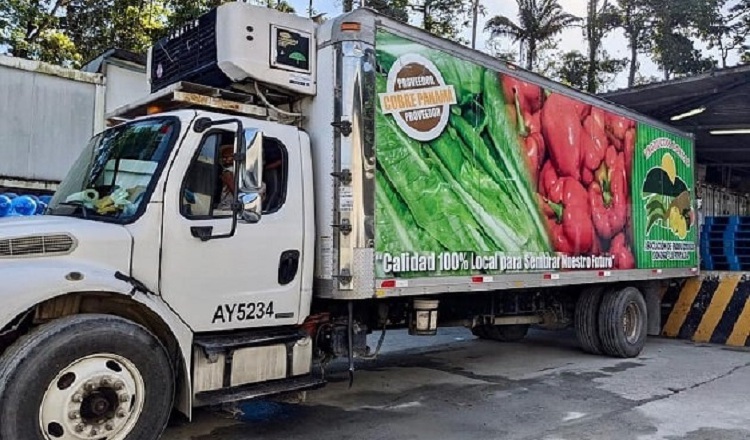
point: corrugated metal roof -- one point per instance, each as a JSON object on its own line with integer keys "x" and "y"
{"x": 725, "y": 94}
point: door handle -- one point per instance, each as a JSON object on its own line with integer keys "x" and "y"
{"x": 288, "y": 266}
{"x": 202, "y": 232}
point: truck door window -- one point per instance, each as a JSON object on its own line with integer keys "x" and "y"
{"x": 275, "y": 174}
{"x": 208, "y": 189}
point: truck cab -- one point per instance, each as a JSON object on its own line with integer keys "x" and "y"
{"x": 196, "y": 228}
{"x": 171, "y": 183}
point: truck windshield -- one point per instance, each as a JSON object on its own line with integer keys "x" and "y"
{"x": 113, "y": 176}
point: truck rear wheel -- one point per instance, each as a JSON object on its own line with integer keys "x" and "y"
{"x": 623, "y": 322}
{"x": 586, "y": 320}
{"x": 501, "y": 333}
{"x": 85, "y": 377}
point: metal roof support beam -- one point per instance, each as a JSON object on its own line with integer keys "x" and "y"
{"x": 701, "y": 100}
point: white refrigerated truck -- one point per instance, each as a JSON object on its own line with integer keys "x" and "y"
{"x": 288, "y": 188}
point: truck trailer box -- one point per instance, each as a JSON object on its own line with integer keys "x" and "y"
{"x": 482, "y": 177}
{"x": 441, "y": 169}
{"x": 48, "y": 115}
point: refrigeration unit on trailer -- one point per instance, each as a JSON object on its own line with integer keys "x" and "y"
{"x": 288, "y": 188}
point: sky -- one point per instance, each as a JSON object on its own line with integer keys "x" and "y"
{"x": 572, "y": 39}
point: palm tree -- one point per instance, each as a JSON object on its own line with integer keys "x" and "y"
{"x": 538, "y": 22}
{"x": 280, "y": 5}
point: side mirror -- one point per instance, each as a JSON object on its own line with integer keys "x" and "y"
{"x": 250, "y": 175}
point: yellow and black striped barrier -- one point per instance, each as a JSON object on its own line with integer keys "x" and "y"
{"x": 712, "y": 308}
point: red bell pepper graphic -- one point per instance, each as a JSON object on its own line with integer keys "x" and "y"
{"x": 609, "y": 195}
{"x": 593, "y": 145}
{"x": 562, "y": 130}
{"x": 624, "y": 258}
{"x": 529, "y": 95}
{"x": 568, "y": 213}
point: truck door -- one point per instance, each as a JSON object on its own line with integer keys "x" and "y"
{"x": 252, "y": 278}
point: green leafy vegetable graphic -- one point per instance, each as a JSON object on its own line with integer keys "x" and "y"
{"x": 467, "y": 190}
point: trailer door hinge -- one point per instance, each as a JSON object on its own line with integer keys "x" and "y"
{"x": 345, "y": 176}
{"x": 343, "y": 127}
{"x": 345, "y": 227}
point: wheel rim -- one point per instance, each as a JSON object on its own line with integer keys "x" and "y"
{"x": 96, "y": 397}
{"x": 631, "y": 323}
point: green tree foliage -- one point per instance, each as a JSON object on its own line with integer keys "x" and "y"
{"x": 573, "y": 69}
{"x": 664, "y": 30}
{"x": 70, "y": 32}
{"x": 538, "y": 21}
{"x": 32, "y": 29}
{"x": 727, "y": 28}
{"x": 396, "y": 9}
{"x": 677, "y": 56}
{"x": 444, "y": 18}
{"x": 671, "y": 24}
{"x": 181, "y": 11}
{"x": 498, "y": 49}
{"x": 633, "y": 16}
{"x": 601, "y": 18}
{"x": 97, "y": 25}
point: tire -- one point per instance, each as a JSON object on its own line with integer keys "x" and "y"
{"x": 623, "y": 320}
{"x": 509, "y": 333}
{"x": 502, "y": 333}
{"x": 480, "y": 331}
{"x": 73, "y": 373}
{"x": 586, "y": 320}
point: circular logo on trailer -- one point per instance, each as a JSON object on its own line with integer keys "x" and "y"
{"x": 418, "y": 97}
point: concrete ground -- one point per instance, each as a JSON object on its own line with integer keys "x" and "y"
{"x": 456, "y": 387}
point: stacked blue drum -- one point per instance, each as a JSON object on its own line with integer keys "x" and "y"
{"x": 17, "y": 205}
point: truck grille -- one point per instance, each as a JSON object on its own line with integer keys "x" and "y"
{"x": 187, "y": 54}
{"x": 36, "y": 245}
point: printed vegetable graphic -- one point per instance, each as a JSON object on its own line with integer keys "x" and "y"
{"x": 617, "y": 126}
{"x": 471, "y": 163}
{"x": 526, "y": 98}
{"x": 668, "y": 199}
{"x": 608, "y": 194}
{"x": 534, "y": 145}
{"x": 624, "y": 258}
{"x": 431, "y": 200}
{"x": 594, "y": 145}
{"x": 568, "y": 213}
{"x": 464, "y": 191}
{"x": 563, "y": 130}
{"x": 478, "y": 190}
{"x": 398, "y": 222}
{"x": 500, "y": 140}
{"x": 529, "y": 95}
{"x": 629, "y": 152}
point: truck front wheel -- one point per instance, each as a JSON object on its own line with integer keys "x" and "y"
{"x": 85, "y": 377}
{"x": 623, "y": 322}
